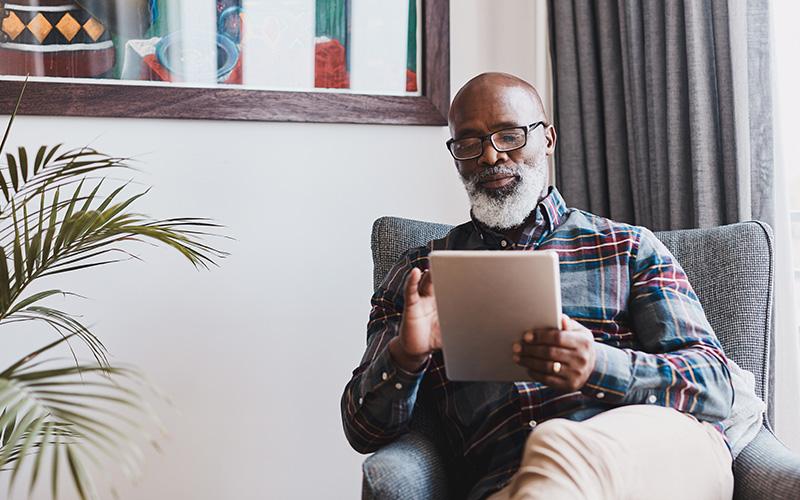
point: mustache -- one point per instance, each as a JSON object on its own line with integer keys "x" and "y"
{"x": 484, "y": 174}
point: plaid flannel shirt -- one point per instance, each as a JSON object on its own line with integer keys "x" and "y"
{"x": 653, "y": 344}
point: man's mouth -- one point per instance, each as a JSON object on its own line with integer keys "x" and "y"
{"x": 497, "y": 181}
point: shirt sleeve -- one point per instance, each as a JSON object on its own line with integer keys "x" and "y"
{"x": 681, "y": 364}
{"x": 378, "y": 401}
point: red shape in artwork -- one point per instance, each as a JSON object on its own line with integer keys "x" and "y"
{"x": 411, "y": 81}
{"x": 152, "y": 70}
{"x": 330, "y": 65}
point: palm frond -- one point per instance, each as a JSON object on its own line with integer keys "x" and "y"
{"x": 76, "y": 414}
{"x": 65, "y": 225}
{"x": 56, "y": 219}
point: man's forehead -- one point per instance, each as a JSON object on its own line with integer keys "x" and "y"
{"x": 487, "y": 107}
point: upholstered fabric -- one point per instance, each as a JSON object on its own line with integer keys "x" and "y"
{"x": 766, "y": 469}
{"x": 731, "y": 269}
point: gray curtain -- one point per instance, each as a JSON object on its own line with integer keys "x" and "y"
{"x": 663, "y": 110}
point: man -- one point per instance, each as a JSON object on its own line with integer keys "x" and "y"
{"x": 626, "y": 400}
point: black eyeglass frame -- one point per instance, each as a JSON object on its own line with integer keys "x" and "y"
{"x": 483, "y": 138}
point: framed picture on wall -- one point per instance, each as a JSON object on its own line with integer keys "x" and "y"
{"x": 352, "y": 61}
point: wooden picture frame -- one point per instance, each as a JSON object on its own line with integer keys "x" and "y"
{"x": 139, "y": 101}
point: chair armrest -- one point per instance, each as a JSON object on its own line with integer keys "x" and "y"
{"x": 766, "y": 469}
{"x": 408, "y": 468}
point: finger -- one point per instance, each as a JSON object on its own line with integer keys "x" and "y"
{"x": 426, "y": 283}
{"x": 410, "y": 292}
{"x": 552, "y": 381}
{"x": 540, "y": 367}
{"x": 543, "y": 351}
{"x": 565, "y": 322}
{"x": 567, "y": 339}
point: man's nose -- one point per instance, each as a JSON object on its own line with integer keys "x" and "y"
{"x": 490, "y": 156}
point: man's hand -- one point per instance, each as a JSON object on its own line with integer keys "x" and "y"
{"x": 561, "y": 359}
{"x": 419, "y": 329}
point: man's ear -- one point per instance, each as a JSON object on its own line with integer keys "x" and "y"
{"x": 550, "y": 138}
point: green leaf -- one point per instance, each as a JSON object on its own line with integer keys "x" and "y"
{"x": 30, "y": 252}
{"x": 63, "y": 234}
{"x": 82, "y": 266}
{"x": 40, "y": 229}
{"x": 23, "y": 163}
{"x": 90, "y": 198}
{"x": 37, "y": 464}
{"x": 51, "y": 153}
{"x": 8, "y": 372}
{"x": 33, "y": 299}
{"x": 78, "y": 475}
{"x": 5, "y": 281}
{"x": 12, "y": 170}
{"x": 23, "y": 426}
{"x": 51, "y": 228}
{"x": 9, "y": 419}
{"x": 19, "y": 264}
{"x": 4, "y": 187}
{"x": 13, "y": 115}
{"x": 111, "y": 197}
{"x": 54, "y": 472}
{"x": 33, "y": 433}
{"x": 33, "y": 254}
{"x": 39, "y": 161}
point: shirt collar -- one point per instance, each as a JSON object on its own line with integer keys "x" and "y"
{"x": 550, "y": 213}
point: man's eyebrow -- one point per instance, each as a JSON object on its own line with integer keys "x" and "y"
{"x": 502, "y": 125}
{"x": 468, "y": 132}
{"x": 471, "y": 132}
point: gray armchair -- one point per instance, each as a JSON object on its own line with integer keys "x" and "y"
{"x": 731, "y": 269}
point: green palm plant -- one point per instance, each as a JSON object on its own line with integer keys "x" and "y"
{"x": 64, "y": 419}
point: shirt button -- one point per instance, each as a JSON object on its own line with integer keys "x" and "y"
{"x": 651, "y": 398}
{"x": 601, "y": 395}
{"x": 398, "y": 386}
{"x": 503, "y": 243}
{"x": 385, "y": 376}
{"x": 532, "y": 424}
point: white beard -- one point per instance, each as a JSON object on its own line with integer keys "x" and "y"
{"x": 504, "y": 209}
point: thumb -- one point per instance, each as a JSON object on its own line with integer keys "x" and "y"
{"x": 412, "y": 282}
{"x": 426, "y": 284}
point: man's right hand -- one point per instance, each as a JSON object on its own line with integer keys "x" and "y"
{"x": 419, "y": 329}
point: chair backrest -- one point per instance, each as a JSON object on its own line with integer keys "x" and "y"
{"x": 730, "y": 268}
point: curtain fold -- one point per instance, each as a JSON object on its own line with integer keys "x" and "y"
{"x": 664, "y": 116}
{"x": 657, "y": 124}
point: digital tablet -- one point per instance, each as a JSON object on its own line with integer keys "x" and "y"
{"x": 485, "y": 301}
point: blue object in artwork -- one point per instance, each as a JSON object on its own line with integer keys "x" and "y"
{"x": 171, "y": 55}
{"x": 222, "y": 20}
{"x": 153, "y": 11}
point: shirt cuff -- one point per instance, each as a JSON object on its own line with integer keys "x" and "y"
{"x": 611, "y": 378}
{"x": 385, "y": 381}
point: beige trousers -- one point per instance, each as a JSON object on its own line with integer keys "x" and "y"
{"x": 631, "y": 452}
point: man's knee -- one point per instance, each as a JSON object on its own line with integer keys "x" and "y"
{"x": 555, "y": 434}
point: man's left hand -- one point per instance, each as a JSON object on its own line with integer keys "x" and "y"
{"x": 562, "y": 359}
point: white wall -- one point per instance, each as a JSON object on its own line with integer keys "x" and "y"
{"x": 255, "y": 354}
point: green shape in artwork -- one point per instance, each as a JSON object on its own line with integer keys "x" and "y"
{"x": 331, "y": 20}
{"x": 411, "y": 62}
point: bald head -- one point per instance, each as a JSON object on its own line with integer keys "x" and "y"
{"x": 491, "y": 89}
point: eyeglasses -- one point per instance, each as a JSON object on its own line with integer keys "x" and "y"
{"x": 503, "y": 141}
